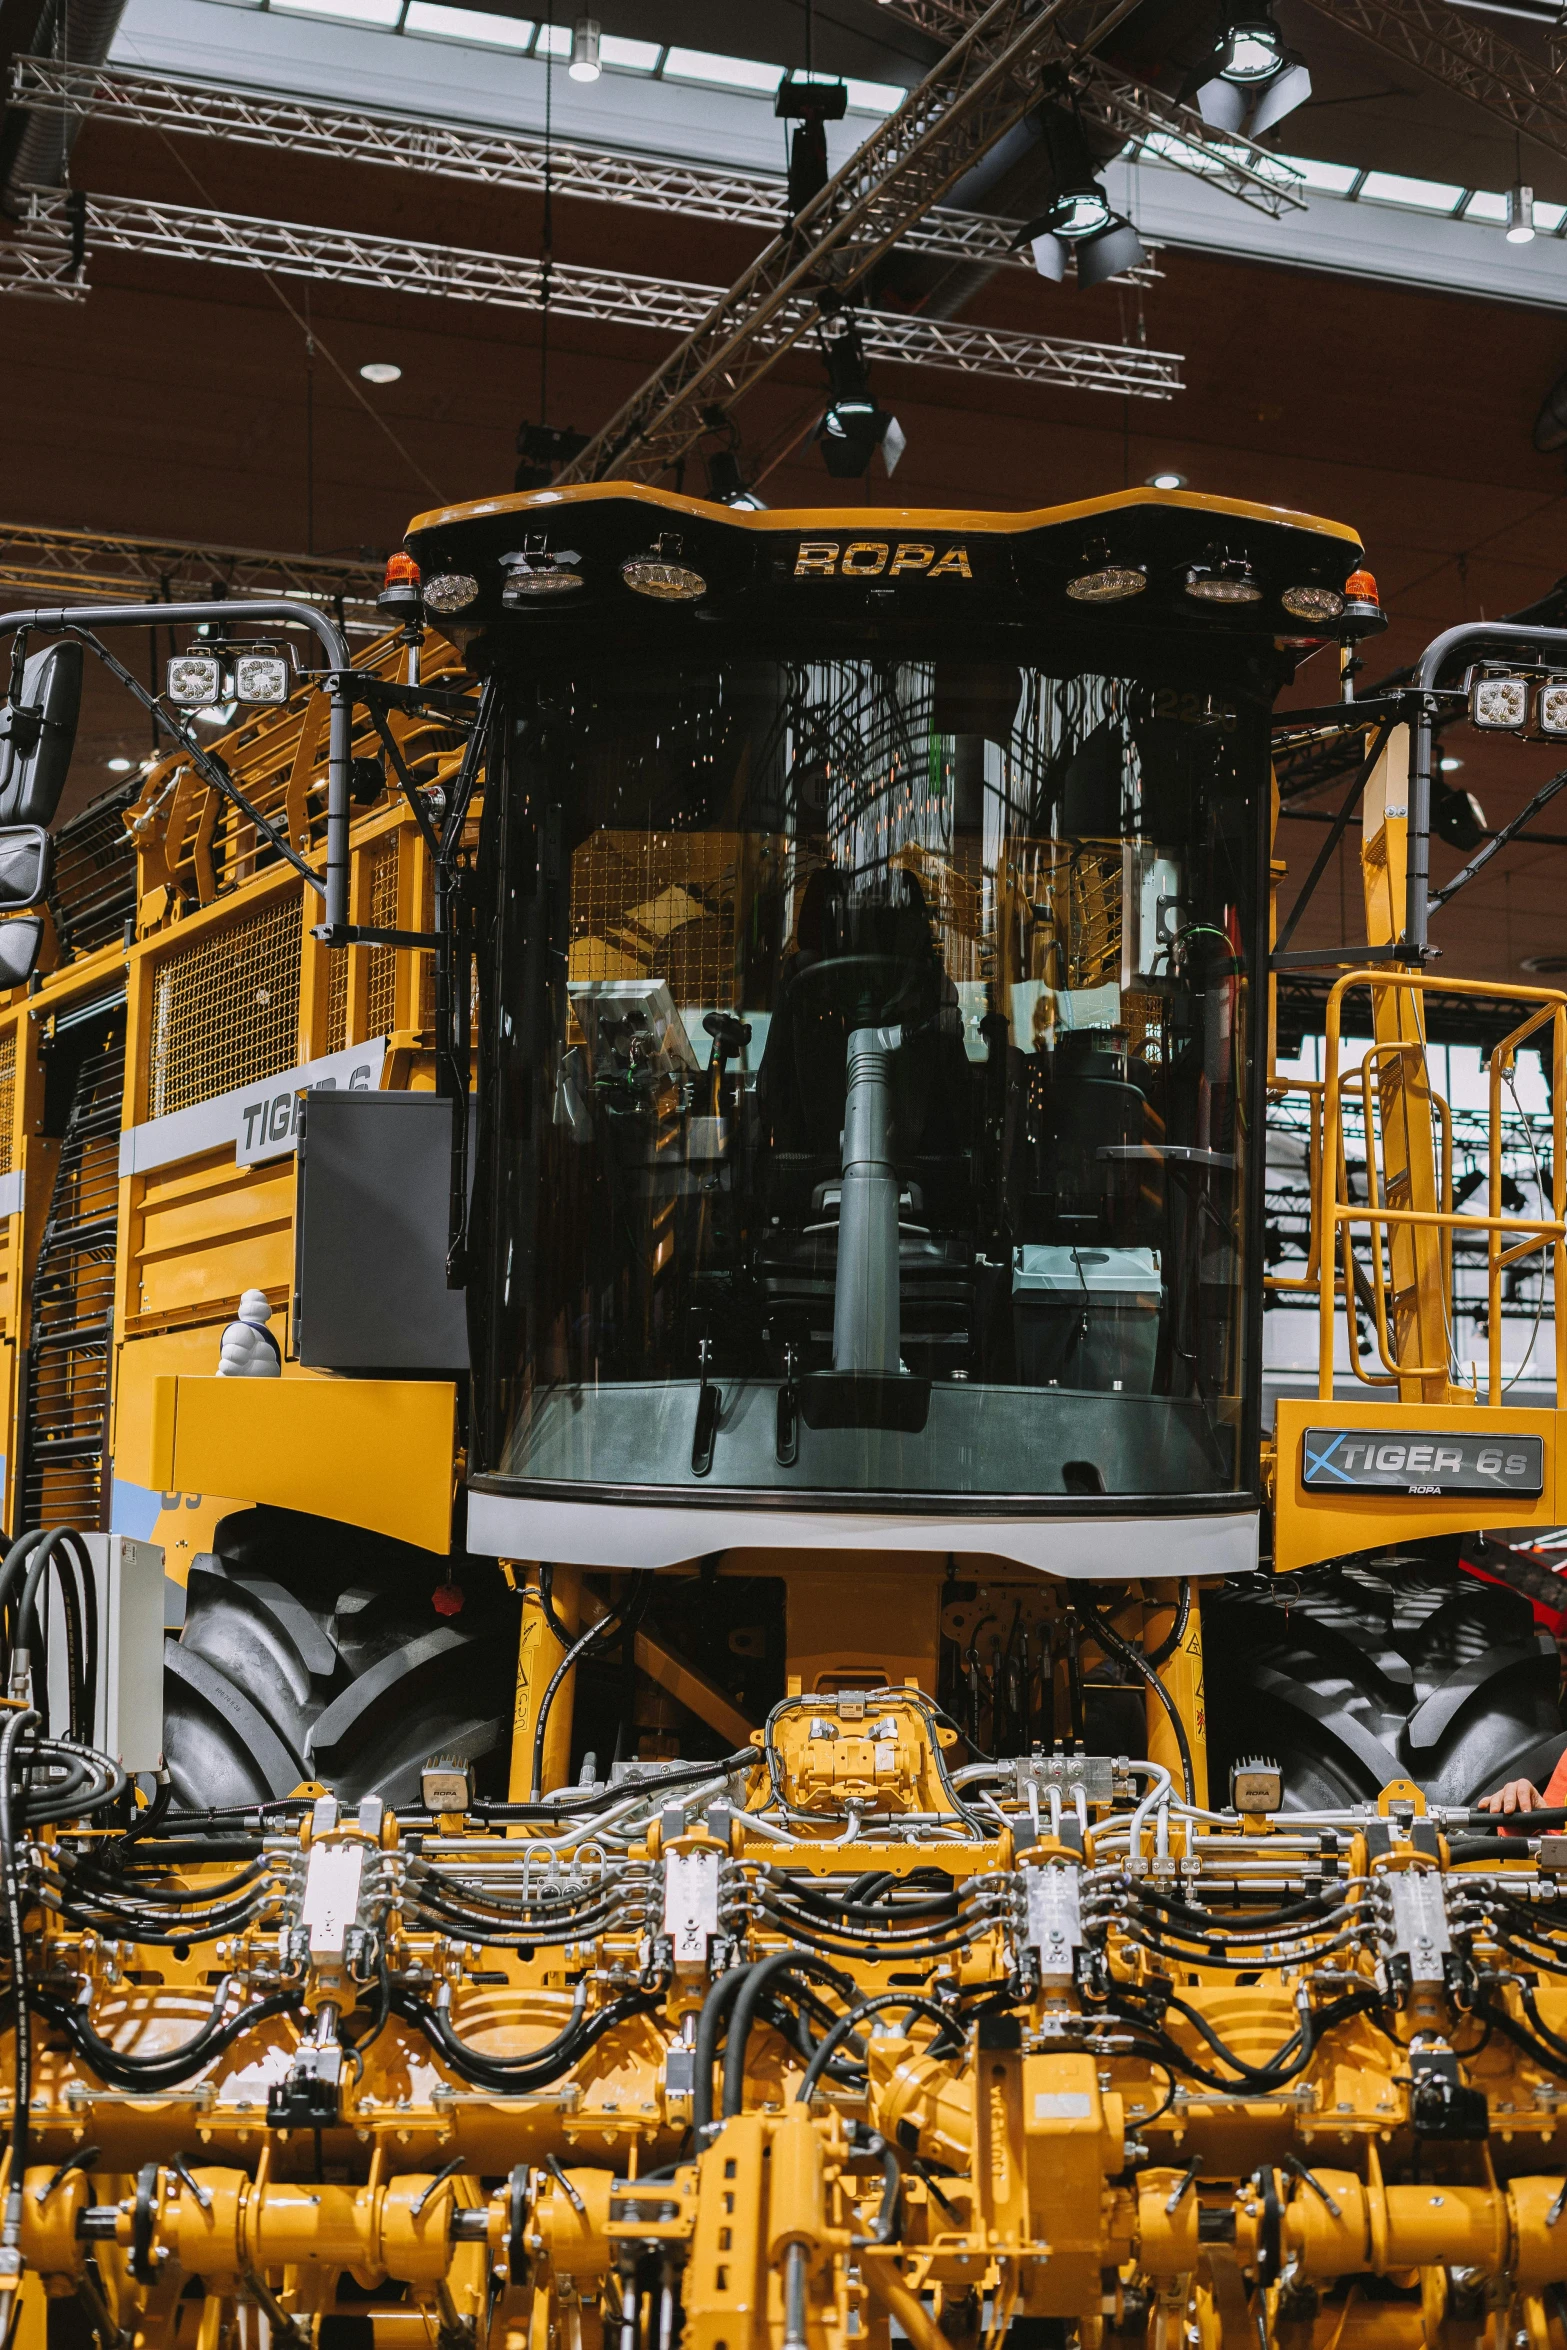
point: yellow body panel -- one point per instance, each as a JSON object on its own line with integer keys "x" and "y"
{"x": 376, "y": 1452}
{"x": 1310, "y": 1525}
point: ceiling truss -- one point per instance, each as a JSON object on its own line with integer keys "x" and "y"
{"x": 100, "y": 567}
{"x": 398, "y": 265}
{"x": 134, "y": 99}
{"x": 972, "y": 97}
{"x": 1467, "y": 53}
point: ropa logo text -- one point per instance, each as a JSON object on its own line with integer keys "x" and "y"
{"x": 871, "y": 558}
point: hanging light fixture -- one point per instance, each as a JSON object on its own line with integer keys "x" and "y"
{"x": 1079, "y": 222}
{"x": 584, "y": 66}
{"x": 853, "y": 426}
{"x": 1520, "y": 214}
{"x": 1251, "y": 50}
{"x": 727, "y": 485}
{"x": 1250, "y": 80}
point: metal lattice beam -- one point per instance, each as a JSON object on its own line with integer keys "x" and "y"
{"x": 39, "y": 272}
{"x": 506, "y": 281}
{"x": 1467, "y": 54}
{"x": 984, "y": 85}
{"x": 1233, "y": 164}
{"x": 134, "y": 99}
{"x": 102, "y": 567}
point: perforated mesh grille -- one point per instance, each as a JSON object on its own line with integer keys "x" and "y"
{"x": 336, "y": 1000}
{"x": 226, "y": 1010}
{"x": 7, "y": 1098}
{"x": 657, "y": 904}
{"x": 382, "y": 916}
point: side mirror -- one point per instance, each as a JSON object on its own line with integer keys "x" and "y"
{"x": 36, "y": 741}
{"x": 25, "y": 851}
{"x": 20, "y": 940}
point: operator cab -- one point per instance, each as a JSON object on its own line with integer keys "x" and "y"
{"x": 873, "y": 920}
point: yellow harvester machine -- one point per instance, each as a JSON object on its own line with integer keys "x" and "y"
{"x": 633, "y": 1270}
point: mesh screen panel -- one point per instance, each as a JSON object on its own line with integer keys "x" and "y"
{"x": 64, "y": 1429}
{"x": 7, "y": 1099}
{"x": 336, "y": 1000}
{"x": 382, "y": 916}
{"x": 664, "y": 905}
{"x": 226, "y": 1010}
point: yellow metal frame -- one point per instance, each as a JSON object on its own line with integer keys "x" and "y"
{"x": 1336, "y": 1216}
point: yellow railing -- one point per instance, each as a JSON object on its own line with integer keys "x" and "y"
{"x": 1509, "y": 1238}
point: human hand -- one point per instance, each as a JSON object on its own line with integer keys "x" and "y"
{"x": 1517, "y": 1795}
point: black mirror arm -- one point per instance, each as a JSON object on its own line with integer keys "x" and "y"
{"x": 210, "y": 769}
{"x": 338, "y": 684}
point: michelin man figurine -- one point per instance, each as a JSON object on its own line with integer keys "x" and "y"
{"x": 249, "y": 1350}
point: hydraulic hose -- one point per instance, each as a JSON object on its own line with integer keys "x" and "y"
{"x": 1110, "y": 1640}
{"x": 174, "y": 2065}
{"x": 16, "y": 1728}
{"x": 624, "y": 1615}
{"x": 1177, "y": 1632}
{"x": 752, "y": 1989}
{"x": 31, "y": 1558}
{"x": 850, "y": 2023}
{"x": 715, "y": 2009}
{"x": 541, "y": 2065}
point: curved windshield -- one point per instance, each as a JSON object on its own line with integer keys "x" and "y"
{"x": 871, "y": 1053}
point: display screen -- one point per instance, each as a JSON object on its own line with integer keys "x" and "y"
{"x": 871, "y": 1074}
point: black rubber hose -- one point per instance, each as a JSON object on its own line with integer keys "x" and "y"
{"x": 595, "y": 1635}
{"x": 1111, "y": 1640}
{"x": 1520, "y": 2038}
{"x": 715, "y": 2009}
{"x": 32, "y": 1623}
{"x": 13, "y": 1569}
{"x": 847, "y": 2024}
{"x": 1177, "y": 1632}
{"x": 892, "y": 2189}
{"x": 17, "y": 1726}
{"x": 544, "y": 2064}
{"x": 175, "y": 2064}
{"x": 757, "y": 1981}
{"x": 92, "y": 1882}
{"x": 79, "y": 1601}
{"x": 547, "y": 1603}
{"x": 150, "y": 1822}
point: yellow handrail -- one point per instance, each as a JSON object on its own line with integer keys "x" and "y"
{"x": 1334, "y": 1217}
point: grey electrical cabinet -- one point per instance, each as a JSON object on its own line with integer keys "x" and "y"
{"x": 129, "y": 1583}
{"x": 370, "y": 1232}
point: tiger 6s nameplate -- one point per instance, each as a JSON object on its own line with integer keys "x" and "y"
{"x": 1370, "y": 1460}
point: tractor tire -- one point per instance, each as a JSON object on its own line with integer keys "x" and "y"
{"x": 1380, "y": 1667}
{"x": 312, "y": 1652}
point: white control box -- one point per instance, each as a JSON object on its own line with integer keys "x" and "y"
{"x": 129, "y": 1578}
